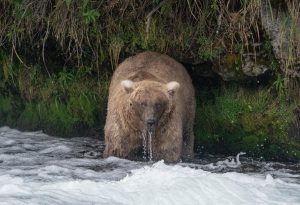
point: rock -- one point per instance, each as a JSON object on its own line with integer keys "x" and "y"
{"x": 284, "y": 31}
{"x": 228, "y": 67}
{"x": 252, "y": 68}
{"x": 234, "y": 67}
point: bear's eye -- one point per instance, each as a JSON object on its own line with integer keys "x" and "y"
{"x": 130, "y": 104}
{"x": 157, "y": 105}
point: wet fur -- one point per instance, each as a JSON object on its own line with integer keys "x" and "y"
{"x": 174, "y": 138}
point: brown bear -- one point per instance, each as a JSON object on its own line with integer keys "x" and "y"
{"x": 151, "y": 97}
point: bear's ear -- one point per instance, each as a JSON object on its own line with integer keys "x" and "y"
{"x": 172, "y": 87}
{"x": 127, "y": 85}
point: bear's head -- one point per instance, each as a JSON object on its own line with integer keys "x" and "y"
{"x": 148, "y": 102}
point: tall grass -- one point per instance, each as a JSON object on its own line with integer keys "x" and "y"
{"x": 68, "y": 103}
{"x": 98, "y": 34}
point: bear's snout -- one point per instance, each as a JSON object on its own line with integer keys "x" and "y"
{"x": 151, "y": 124}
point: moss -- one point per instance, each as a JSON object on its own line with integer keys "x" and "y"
{"x": 229, "y": 66}
{"x": 294, "y": 153}
{"x": 10, "y": 109}
{"x": 6, "y": 109}
{"x": 251, "y": 144}
{"x": 207, "y": 50}
{"x": 65, "y": 104}
{"x": 29, "y": 118}
{"x": 56, "y": 119}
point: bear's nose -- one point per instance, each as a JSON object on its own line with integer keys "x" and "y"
{"x": 150, "y": 122}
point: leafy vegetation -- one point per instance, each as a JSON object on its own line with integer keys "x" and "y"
{"x": 67, "y": 104}
{"x": 255, "y": 122}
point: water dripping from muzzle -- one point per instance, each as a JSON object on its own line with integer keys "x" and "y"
{"x": 150, "y": 146}
{"x": 147, "y": 149}
{"x": 144, "y": 146}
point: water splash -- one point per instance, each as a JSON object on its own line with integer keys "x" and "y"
{"x": 79, "y": 180}
{"x": 232, "y": 162}
{"x": 150, "y": 146}
{"x": 238, "y": 157}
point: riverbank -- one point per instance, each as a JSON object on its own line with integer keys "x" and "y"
{"x": 230, "y": 118}
{"x": 56, "y": 60}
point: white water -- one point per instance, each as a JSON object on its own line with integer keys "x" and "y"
{"x": 38, "y": 169}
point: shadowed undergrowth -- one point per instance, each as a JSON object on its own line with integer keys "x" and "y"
{"x": 255, "y": 122}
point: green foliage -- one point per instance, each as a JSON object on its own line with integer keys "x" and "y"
{"x": 10, "y": 109}
{"x": 6, "y": 109}
{"x": 8, "y": 70}
{"x": 91, "y": 16}
{"x": 230, "y": 107}
{"x": 252, "y": 121}
{"x": 208, "y": 49}
{"x": 57, "y": 119}
{"x": 65, "y": 78}
{"x": 67, "y": 104}
{"x": 269, "y": 55}
{"x": 279, "y": 83}
{"x": 214, "y": 5}
{"x": 29, "y": 118}
{"x": 68, "y": 3}
{"x": 83, "y": 108}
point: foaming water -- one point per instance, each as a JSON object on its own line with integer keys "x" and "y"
{"x": 38, "y": 169}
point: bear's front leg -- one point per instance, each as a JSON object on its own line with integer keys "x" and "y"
{"x": 118, "y": 148}
{"x": 113, "y": 147}
{"x": 168, "y": 146}
{"x": 114, "y": 143}
{"x": 122, "y": 145}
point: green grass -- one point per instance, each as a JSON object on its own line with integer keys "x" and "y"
{"x": 255, "y": 122}
{"x": 66, "y": 104}
{"x": 6, "y": 110}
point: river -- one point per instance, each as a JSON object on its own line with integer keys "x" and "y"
{"x": 39, "y": 169}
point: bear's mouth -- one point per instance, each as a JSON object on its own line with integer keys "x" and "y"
{"x": 151, "y": 125}
{"x": 151, "y": 130}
